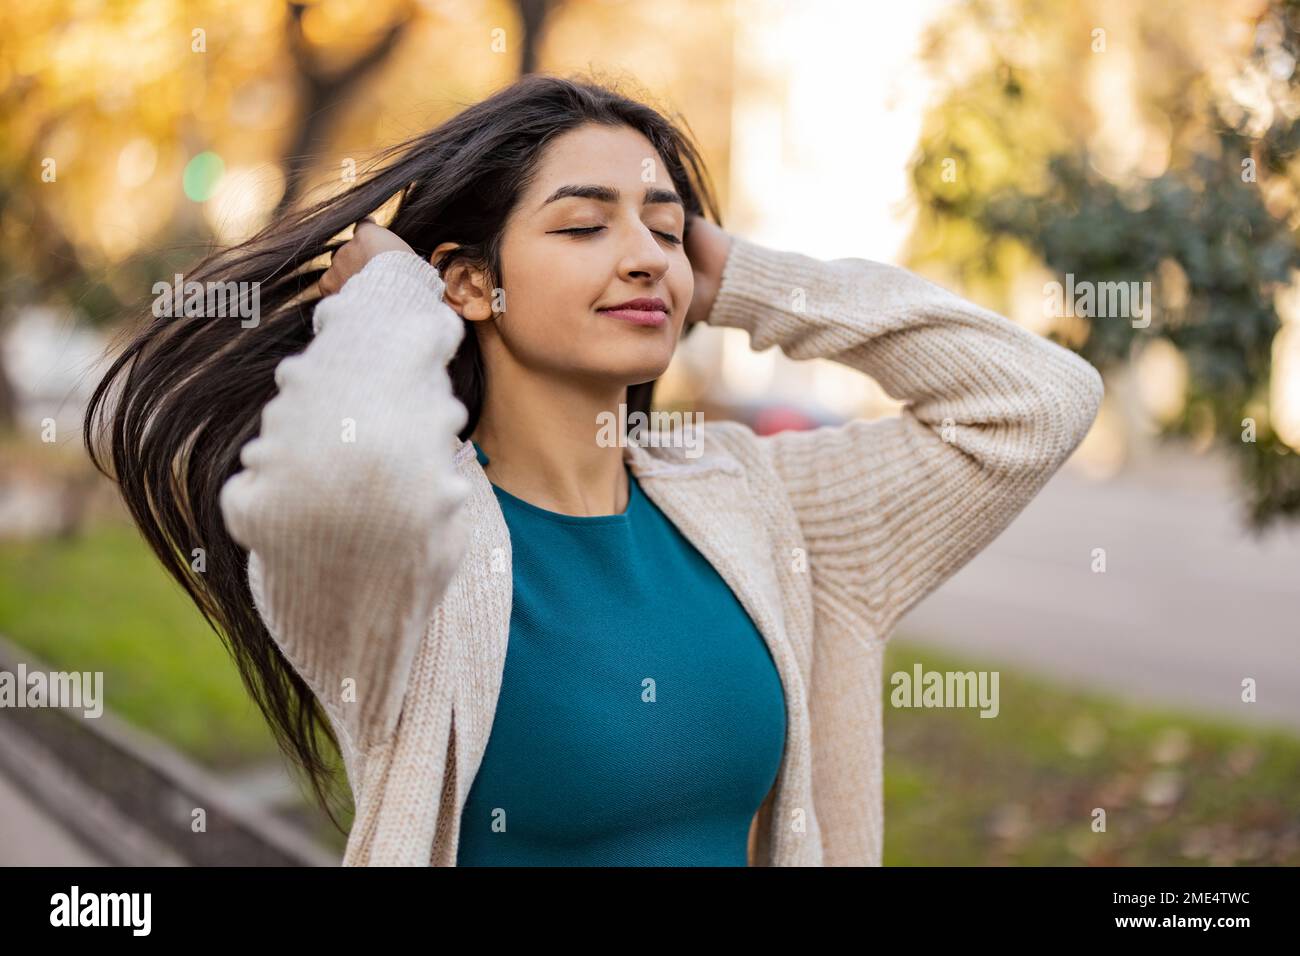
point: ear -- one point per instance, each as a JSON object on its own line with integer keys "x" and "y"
{"x": 438, "y": 253}
{"x": 466, "y": 289}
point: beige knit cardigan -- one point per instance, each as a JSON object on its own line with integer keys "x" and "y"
{"x": 381, "y": 563}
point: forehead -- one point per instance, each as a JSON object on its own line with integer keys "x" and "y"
{"x": 616, "y": 156}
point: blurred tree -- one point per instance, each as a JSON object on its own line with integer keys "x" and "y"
{"x": 92, "y": 205}
{"x": 1151, "y": 142}
{"x": 532, "y": 20}
{"x": 323, "y": 91}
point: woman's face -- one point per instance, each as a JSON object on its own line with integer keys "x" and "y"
{"x": 557, "y": 280}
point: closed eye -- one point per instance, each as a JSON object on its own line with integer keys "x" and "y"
{"x": 588, "y": 230}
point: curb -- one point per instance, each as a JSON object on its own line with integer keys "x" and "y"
{"x": 131, "y": 797}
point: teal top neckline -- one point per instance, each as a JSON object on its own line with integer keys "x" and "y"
{"x": 634, "y": 497}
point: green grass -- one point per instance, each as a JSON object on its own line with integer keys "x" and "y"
{"x": 103, "y": 603}
{"x": 1020, "y": 788}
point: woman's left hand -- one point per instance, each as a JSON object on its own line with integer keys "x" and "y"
{"x": 707, "y": 247}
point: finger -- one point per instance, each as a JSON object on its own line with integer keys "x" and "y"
{"x": 326, "y": 283}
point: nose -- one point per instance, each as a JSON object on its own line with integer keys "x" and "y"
{"x": 643, "y": 258}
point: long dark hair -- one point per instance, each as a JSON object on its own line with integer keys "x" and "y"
{"x": 185, "y": 394}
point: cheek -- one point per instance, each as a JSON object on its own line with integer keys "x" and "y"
{"x": 529, "y": 293}
{"x": 561, "y": 292}
{"x": 551, "y": 260}
{"x": 681, "y": 283}
{"x": 566, "y": 285}
{"x": 549, "y": 302}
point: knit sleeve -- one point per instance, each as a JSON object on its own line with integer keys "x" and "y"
{"x": 891, "y": 508}
{"x": 348, "y": 502}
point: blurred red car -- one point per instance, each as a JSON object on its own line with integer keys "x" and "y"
{"x": 768, "y": 418}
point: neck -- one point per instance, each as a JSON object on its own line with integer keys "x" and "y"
{"x": 540, "y": 439}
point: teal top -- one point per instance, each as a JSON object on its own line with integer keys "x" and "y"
{"x": 641, "y": 719}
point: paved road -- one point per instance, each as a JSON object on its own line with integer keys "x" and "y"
{"x": 1189, "y": 604}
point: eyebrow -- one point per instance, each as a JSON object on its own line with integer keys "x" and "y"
{"x": 609, "y": 194}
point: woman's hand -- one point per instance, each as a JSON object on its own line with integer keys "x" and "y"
{"x": 707, "y": 247}
{"x": 368, "y": 240}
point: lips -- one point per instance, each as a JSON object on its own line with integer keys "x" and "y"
{"x": 643, "y": 304}
{"x": 644, "y": 311}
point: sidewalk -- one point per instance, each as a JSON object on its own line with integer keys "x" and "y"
{"x": 29, "y": 837}
{"x": 1188, "y": 607}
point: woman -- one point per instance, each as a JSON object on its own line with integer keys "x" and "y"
{"x": 531, "y": 645}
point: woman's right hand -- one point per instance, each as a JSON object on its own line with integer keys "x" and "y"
{"x": 368, "y": 240}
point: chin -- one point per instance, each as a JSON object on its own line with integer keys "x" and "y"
{"x": 642, "y": 365}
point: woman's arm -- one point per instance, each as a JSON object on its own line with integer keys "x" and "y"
{"x": 891, "y": 508}
{"x": 348, "y": 500}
